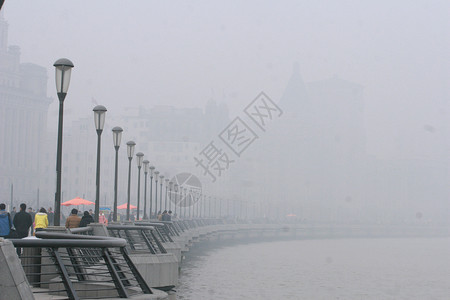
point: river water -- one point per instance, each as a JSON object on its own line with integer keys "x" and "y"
{"x": 410, "y": 268}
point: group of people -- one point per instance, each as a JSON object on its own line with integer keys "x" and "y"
{"x": 26, "y": 222}
{"x": 23, "y": 223}
{"x": 75, "y": 221}
{"x": 165, "y": 216}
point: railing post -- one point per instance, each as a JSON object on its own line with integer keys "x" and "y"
{"x": 115, "y": 276}
{"x": 73, "y": 260}
{"x": 71, "y": 293}
{"x": 147, "y": 241}
{"x": 142, "y": 283}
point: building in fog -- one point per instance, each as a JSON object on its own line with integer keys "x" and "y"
{"x": 23, "y": 122}
{"x": 168, "y": 136}
{"x": 314, "y": 163}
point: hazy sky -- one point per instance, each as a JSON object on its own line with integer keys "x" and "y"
{"x": 130, "y": 53}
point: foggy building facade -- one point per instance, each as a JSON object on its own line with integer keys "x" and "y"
{"x": 315, "y": 164}
{"x": 168, "y": 136}
{"x": 23, "y": 122}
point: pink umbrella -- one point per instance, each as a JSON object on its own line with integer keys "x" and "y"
{"x": 124, "y": 206}
{"x": 77, "y": 201}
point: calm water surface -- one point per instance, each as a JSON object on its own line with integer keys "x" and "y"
{"x": 321, "y": 269}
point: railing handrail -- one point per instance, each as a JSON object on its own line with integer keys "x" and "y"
{"x": 58, "y": 235}
{"x": 129, "y": 227}
{"x": 80, "y": 229}
{"x": 160, "y": 224}
{"x": 70, "y": 243}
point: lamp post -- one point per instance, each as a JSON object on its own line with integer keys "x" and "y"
{"x": 145, "y": 162}
{"x": 200, "y": 205}
{"x": 156, "y": 193}
{"x": 209, "y": 207}
{"x": 63, "y": 69}
{"x": 99, "y": 120}
{"x": 170, "y": 194}
{"x": 175, "y": 189}
{"x": 117, "y": 136}
{"x": 190, "y": 203}
{"x": 139, "y": 158}
{"x": 167, "y": 187}
{"x": 152, "y": 169}
{"x": 161, "y": 180}
{"x": 185, "y": 200}
{"x": 130, "y": 152}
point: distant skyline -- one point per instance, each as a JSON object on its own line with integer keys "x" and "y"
{"x": 185, "y": 53}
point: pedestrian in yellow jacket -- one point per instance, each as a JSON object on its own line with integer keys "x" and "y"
{"x": 41, "y": 220}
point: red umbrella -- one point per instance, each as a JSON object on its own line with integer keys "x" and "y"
{"x": 124, "y": 206}
{"x": 77, "y": 201}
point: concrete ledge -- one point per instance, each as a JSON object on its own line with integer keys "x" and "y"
{"x": 13, "y": 282}
{"x": 158, "y": 270}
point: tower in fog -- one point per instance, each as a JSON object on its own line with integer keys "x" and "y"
{"x": 316, "y": 149}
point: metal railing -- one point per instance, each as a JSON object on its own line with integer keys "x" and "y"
{"x": 81, "y": 230}
{"x": 80, "y": 267}
{"x": 163, "y": 228}
{"x": 139, "y": 238}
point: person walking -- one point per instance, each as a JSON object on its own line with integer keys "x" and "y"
{"x": 102, "y": 219}
{"x": 86, "y": 219}
{"x": 13, "y": 213}
{"x": 73, "y": 221}
{"x": 40, "y": 220}
{"x": 51, "y": 216}
{"x": 5, "y": 221}
{"x": 22, "y": 222}
{"x": 32, "y": 214}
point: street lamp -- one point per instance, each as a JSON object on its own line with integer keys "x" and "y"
{"x": 185, "y": 200}
{"x": 130, "y": 152}
{"x": 167, "y": 187}
{"x": 170, "y": 194}
{"x": 139, "y": 159}
{"x": 145, "y": 162}
{"x": 152, "y": 169}
{"x": 117, "y": 136}
{"x": 63, "y": 69}
{"x": 99, "y": 120}
{"x": 175, "y": 188}
{"x": 160, "y": 192}
{"x": 156, "y": 193}
{"x": 200, "y": 205}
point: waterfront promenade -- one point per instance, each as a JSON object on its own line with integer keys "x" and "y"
{"x": 141, "y": 260}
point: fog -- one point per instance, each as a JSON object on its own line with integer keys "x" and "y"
{"x": 363, "y": 91}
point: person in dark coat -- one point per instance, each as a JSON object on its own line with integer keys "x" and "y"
{"x": 164, "y": 216}
{"x": 32, "y": 214}
{"x": 51, "y": 216}
{"x": 86, "y": 219}
{"x": 22, "y": 222}
{"x": 13, "y": 213}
